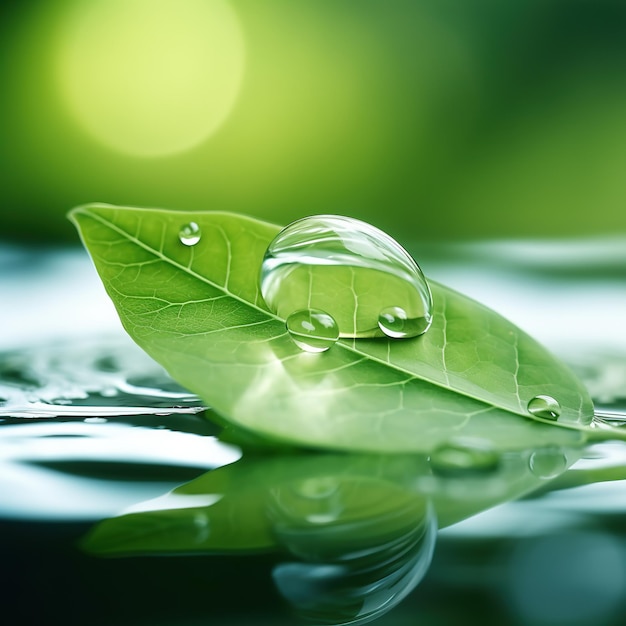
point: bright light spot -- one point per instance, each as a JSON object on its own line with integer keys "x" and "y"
{"x": 151, "y": 77}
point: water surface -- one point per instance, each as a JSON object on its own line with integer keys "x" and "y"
{"x": 119, "y": 504}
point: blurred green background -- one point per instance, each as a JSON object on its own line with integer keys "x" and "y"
{"x": 433, "y": 119}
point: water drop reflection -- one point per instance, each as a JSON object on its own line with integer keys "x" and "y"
{"x": 354, "y": 570}
{"x": 547, "y": 462}
{"x": 459, "y": 456}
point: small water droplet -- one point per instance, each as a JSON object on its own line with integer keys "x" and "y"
{"x": 352, "y": 271}
{"x": 395, "y": 323}
{"x": 190, "y": 234}
{"x": 545, "y": 407}
{"x": 464, "y": 456}
{"x": 312, "y": 330}
{"x": 547, "y": 462}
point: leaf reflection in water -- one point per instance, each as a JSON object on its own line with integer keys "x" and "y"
{"x": 352, "y": 534}
{"x": 361, "y": 546}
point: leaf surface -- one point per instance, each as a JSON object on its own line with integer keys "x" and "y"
{"x": 198, "y": 311}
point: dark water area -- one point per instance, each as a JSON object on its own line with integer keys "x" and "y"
{"x": 48, "y": 579}
{"x": 120, "y": 504}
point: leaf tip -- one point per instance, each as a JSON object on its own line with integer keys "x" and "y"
{"x": 84, "y": 208}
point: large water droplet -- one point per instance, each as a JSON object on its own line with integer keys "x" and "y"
{"x": 189, "y": 234}
{"x": 312, "y": 330}
{"x": 544, "y": 406}
{"x": 354, "y": 272}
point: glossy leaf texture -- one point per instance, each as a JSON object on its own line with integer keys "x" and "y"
{"x": 197, "y": 310}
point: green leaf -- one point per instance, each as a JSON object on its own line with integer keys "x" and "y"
{"x": 198, "y": 311}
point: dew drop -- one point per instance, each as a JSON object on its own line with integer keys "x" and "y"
{"x": 189, "y": 234}
{"x": 544, "y": 406}
{"x": 312, "y": 330}
{"x": 464, "y": 457}
{"x": 365, "y": 280}
{"x": 395, "y": 323}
